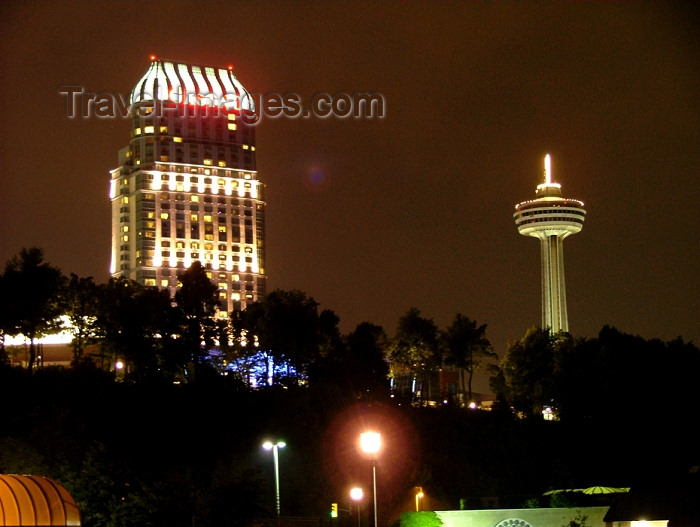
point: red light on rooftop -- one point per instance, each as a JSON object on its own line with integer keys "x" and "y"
{"x": 230, "y": 67}
{"x": 153, "y": 57}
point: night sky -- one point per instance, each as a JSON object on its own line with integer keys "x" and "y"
{"x": 372, "y": 217}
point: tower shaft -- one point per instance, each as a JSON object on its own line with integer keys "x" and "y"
{"x": 554, "y": 314}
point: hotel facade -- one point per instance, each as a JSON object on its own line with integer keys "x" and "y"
{"x": 187, "y": 186}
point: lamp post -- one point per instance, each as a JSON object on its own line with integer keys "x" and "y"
{"x": 419, "y": 498}
{"x": 356, "y": 495}
{"x": 268, "y": 445}
{"x": 371, "y": 443}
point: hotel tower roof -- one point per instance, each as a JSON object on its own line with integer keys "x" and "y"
{"x": 178, "y": 82}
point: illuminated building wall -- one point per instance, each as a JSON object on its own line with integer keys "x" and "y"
{"x": 551, "y": 218}
{"x": 187, "y": 187}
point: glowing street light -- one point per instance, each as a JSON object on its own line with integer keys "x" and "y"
{"x": 268, "y": 445}
{"x": 419, "y": 498}
{"x": 356, "y": 495}
{"x": 371, "y": 444}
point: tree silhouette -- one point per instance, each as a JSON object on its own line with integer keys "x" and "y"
{"x": 286, "y": 324}
{"x": 80, "y": 301}
{"x": 528, "y": 372}
{"x": 197, "y": 301}
{"x": 31, "y": 288}
{"x": 414, "y": 349}
{"x": 467, "y": 348}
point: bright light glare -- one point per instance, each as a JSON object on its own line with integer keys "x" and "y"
{"x": 356, "y": 493}
{"x": 547, "y": 169}
{"x": 268, "y": 445}
{"x": 370, "y": 442}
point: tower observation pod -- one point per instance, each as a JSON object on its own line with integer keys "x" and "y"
{"x": 551, "y": 218}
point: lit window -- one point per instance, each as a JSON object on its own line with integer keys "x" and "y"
{"x": 177, "y": 139}
{"x": 194, "y": 199}
{"x": 208, "y": 162}
{"x": 164, "y": 282}
{"x": 222, "y": 163}
{"x": 231, "y": 126}
{"x": 164, "y": 215}
{"x": 163, "y": 129}
{"x": 149, "y": 281}
{"x": 194, "y": 217}
{"x": 207, "y": 218}
{"x": 137, "y": 131}
{"x": 148, "y": 130}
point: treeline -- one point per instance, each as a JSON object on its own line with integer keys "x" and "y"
{"x": 285, "y": 340}
{"x": 282, "y": 339}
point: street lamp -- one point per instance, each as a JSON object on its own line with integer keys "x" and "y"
{"x": 419, "y": 498}
{"x": 371, "y": 443}
{"x": 268, "y": 445}
{"x": 356, "y": 494}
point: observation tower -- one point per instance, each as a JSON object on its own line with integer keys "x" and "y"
{"x": 551, "y": 218}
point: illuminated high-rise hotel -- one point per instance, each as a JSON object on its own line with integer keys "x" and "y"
{"x": 551, "y": 218}
{"x": 187, "y": 187}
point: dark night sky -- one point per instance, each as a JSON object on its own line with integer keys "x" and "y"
{"x": 414, "y": 209}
